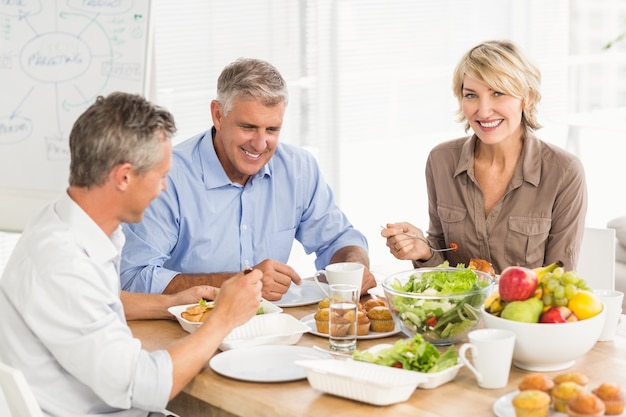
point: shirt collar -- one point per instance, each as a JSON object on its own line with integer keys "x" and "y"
{"x": 88, "y": 234}
{"x": 529, "y": 170}
{"x": 212, "y": 170}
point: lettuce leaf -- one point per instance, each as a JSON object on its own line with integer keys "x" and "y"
{"x": 414, "y": 354}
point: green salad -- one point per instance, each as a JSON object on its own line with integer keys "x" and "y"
{"x": 414, "y": 354}
{"x": 449, "y": 308}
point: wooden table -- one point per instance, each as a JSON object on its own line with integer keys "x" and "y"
{"x": 210, "y": 394}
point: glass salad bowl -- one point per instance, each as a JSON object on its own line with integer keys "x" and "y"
{"x": 442, "y": 304}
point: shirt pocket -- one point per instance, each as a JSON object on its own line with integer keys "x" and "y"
{"x": 452, "y": 222}
{"x": 278, "y": 245}
{"x": 526, "y": 240}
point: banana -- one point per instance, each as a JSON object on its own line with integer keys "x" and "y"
{"x": 541, "y": 271}
{"x": 493, "y": 304}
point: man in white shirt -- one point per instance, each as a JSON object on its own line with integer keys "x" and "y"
{"x": 63, "y": 314}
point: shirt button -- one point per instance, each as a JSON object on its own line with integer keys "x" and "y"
{"x": 244, "y": 227}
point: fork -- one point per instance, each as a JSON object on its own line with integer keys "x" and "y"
{"x": 453, "y": 246}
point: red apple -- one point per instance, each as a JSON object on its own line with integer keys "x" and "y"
{"x": 558, "y": 314}
{"x": 517, "y": 283}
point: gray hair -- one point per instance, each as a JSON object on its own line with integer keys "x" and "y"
{"x": 248, "y": 78}
{"x": 119, "y": 128}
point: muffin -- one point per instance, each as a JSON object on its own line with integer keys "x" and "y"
{"x": 380, "y": 319}
{"x": 562, "y": 393}
{"x": 536, "y": 381}
{"x": 340, "y": 325}
{"x": 363, "y": 324}
{"x": 577, "y": 377}
{"x": 321, "y": 320}
{"x": 324, "y": 303}
{"x": 613, "y": 397}
{"x": 531, "y": 403}
{"x": 373, "y": 302}
{"x": 585, "y": 404}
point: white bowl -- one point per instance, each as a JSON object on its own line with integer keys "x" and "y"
{"x": 266, "y": 329}
{"x": 545, "y": 347}
{"x": 191, "y": 326}
{"x": 361, "y": 381}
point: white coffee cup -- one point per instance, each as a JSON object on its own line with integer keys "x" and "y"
{"x": 492, "y": 354}
{"x": 349, "y": 273}
{"x": 612, "y": 300}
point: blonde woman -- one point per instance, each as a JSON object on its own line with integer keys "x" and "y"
{"x": 501, "y": 194}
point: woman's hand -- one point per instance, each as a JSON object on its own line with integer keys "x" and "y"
{"x": 405, "y": 247}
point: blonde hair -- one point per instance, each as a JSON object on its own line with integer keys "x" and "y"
{"x": 503, "y": 67}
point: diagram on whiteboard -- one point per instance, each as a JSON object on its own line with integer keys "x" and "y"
{"x": 56, "y": 57}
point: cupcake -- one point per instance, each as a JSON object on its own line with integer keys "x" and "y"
{"x": 321, "y": 320}
{"x": 531, "y": 403}
{"x": 562, "y": 393}
{"x": 613, "y": 397}
{"x": 323, "y": 303}
{"x": 340, "y": 325}
{"x": 585, "y": 404}
{"x": 380, "y": 319}
{"x": 577, "y": 377}
{"x": 373, "y": 302}
{"x": 363, "y": 324}
{"x": 536, "y": 381}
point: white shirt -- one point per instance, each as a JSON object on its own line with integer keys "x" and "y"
{"x": 62, "y": 322}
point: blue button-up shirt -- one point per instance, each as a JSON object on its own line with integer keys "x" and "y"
{"x": 203, "y": 222}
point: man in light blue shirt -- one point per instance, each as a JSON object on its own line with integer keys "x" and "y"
{"x": 235, "y": 196}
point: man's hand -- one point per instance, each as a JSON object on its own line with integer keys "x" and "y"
{"x": 239, "y": 298}
{"x": 277, "y": 278}
{"x": 194, "y": 294}
{"x": 369, "y": 281}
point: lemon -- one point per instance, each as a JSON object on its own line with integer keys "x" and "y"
{"x": 585, "y": 304}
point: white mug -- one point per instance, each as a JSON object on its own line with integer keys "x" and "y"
{"x": 492, "y": 354}
{"x": 612, "y": 301}
{"x": 350, "y": 273}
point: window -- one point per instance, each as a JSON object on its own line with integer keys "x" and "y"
{"x": 369, "y": 80}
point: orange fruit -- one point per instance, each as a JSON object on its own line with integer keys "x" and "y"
{"x": 585, "y": 304}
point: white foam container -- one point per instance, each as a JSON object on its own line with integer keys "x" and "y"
{"x": 191, "y": 326}
{"x": 433, "y": 379}
{"x": 266, "y": 329}
{"x": 362, "y": 381}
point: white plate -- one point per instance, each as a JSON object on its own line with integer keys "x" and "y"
{"x": 302, "y": 295}
{"x": 269, "y": 363}
{"x": 503, "y": 407}
{"x": 309, "y": 320}
{"x": 433, "y": 380}
{"x": 377, "y": 291}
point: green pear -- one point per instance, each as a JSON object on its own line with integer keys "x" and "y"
{"x": 527, "y": 311}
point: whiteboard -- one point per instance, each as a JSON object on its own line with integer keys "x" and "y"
{"x": 56, "y": 57}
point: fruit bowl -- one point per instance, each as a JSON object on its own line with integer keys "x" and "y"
{"x": 545, "y": 347}
{"x": 442, "y": 314}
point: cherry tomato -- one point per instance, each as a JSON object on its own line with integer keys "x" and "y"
{"x": 431, "y": 321}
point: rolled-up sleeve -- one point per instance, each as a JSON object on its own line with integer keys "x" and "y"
{"x": 152, "y": 380}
